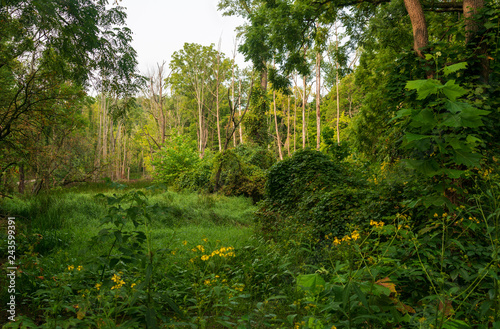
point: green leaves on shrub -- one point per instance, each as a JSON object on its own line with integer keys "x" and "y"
{"x": 177, "y": 157}
{"x": 442, "y": 133}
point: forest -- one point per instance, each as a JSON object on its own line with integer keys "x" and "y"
{"x": 347, "y": 178}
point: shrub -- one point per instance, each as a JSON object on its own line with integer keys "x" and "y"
{"x": 177, "y": 157}
{"x": 238, "y": 177}
{"x": 311, "y": 193}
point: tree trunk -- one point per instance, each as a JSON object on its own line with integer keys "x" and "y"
{"x": 239, "y": 111}
{"x": 304, "y": 114}
{"x": 288, "y": 127}
{"x": 417, "y": 18}
{"x": 295, "y": 119}
{"x": 21, "y": 178}
{"x": 276, "y": 126}
{"x": 318, "y": 91}
{"x": 472, "y": 26}
{"x": 470, "y": 8}
{"x": 338, "y": 105}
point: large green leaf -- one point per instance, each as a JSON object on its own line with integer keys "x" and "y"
{"x": 313, "y": 283}
{"x": 428, "y": 167}
{"x": 452, "y": 120}
{"x": 455, "y": 107}
{"x": 424, "y": 118}
{"x": 413, "y": 137}
{"x": 467, "y": 158}
{"x": 455, "y": 67}
{"x": 424, "y": 88}
{"x": 471, "y": 117}
{"x": 452, "y": 90}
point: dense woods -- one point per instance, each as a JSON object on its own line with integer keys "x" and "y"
{"x": 346, "y": 178}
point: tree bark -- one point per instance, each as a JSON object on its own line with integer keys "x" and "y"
{"x": 318, "y": 91}
{"x": 288, "y": 126}
{"x": 304, "y": 114}
{"x": 21, "y": 179}
{"x": 276, "y": 126}
{"x": 472, "y": 26}
{"x": 470, "y": 9}
{"x": 419, "y": 25}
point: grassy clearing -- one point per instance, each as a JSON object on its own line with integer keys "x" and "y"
{"x": 56, "y": 232}
{"x": 194, "y": 261}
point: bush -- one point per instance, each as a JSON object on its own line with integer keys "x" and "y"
{"x": 311, "y": 193}
{"x": 243, "y": 173}
{"x": 238, "y": 177}
{"x": 177, "y": 157}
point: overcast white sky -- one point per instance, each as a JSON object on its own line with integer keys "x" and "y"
{"x": 161, "y": 27}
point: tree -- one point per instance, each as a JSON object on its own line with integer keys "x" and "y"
{"x": 198, "y": 71}
{"x": 50, "y": 52}
{"x": 46, "y": 44}
{"x": 290, "y": 27}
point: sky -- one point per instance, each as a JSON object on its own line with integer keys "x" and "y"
{"x": 161, "y": 27}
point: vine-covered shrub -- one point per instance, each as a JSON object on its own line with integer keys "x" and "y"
{"x": 237, "y": 176}
{"x": 243, "y": 172}
{"x": 310, "y": 192}
{"x": 255, "y": 155}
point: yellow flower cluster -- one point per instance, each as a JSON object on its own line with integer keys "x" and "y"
{"x": 354, "y": 236}
{"x": 118, "y": 280}
{"x": 239, "y": 287}
{"x": 198, "y": 247}
{"x": 223, "y": 252}
{"x": 377, "y": 224}
{"x": 209, "y": 282}
{"x": 72, "y": 267}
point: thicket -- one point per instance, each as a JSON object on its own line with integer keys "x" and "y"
{"x": 311, "y": 191}
{"x": 243, "y": 169}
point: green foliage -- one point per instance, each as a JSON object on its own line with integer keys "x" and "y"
{"x": 255, "y": 121}
{"x": 296, "y": 192}
{"x": 177, "y": 157}
{"x": 238, "y": 177}
{"x": 442, "y": 134}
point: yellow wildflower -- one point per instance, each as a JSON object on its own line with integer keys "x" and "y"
{"x": 355, "y": 235}
{"x": 98, "y": 285}
{"x": 205, "y": 257}
{"x": 70, "y": 267}
{"x": 184, "y": 242}
{"x": 132, "y": 285}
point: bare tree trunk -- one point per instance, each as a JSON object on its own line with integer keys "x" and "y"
{"x": 337, "y": 86}
{"x": 21, "y": 178}
{"x": 304, "y": 114}
{"x": 472, "y": 26}
{"x": 419, "y": 25}
{"x": 276, "y": 126}
{"x": 288, "y": 127}
{"x": 239, "y": 110}
{"x": 104, "y": 130}
{"x": 295, "y": 118}
{"x": 318, "y": 91}
{"x": 217, "y": 95}
{"x": 338, "y": 105}
{"x": 470, "y": 9}
{"x": 124, "y": 157}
